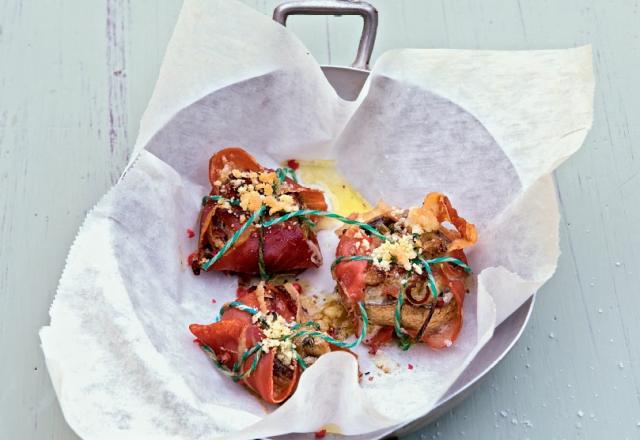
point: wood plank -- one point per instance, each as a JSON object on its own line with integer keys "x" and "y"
{"x": 74, "y": 81}
{"x": 77, "y": 75}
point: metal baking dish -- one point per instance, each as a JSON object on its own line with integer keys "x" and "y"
{"x": 348, "y": 81}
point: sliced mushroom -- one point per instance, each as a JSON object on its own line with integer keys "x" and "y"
{"x": 311, "y": 346}
{"x": 412, "y": 317}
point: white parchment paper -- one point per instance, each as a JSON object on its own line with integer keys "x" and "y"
{"x": 487, "y": 128}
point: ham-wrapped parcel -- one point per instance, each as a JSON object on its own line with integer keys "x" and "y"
{"x": 243, "y": 195}
{"x": 410, "y": 276}
{"x": 263, "y": 341}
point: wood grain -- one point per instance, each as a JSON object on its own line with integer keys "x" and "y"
{"x": 76, "y": 75}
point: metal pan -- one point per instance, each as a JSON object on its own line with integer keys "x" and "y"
{"x": 348, "y": 81}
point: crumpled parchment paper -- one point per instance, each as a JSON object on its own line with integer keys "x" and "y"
{"x": 485, "y": 127}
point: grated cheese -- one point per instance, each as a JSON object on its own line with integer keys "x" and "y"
{"x": 251, "y": 201}
{"x": 401, "y": 251}
{"x": 275, "y": 329}
{"x": 284, "y": 203}
{"x": 267, "y": 189}
{"x": 259, "y": 190}
{"x": 267, "y": 177}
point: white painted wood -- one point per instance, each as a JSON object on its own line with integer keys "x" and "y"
{"x": 76, "y": 75}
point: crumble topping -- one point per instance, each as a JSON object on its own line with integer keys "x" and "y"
{"x": 275, "y": 329}
{"x": 256, "y": 189}
{"x": 400, "y": 250}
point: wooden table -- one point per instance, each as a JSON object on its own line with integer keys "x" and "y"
{"x": 75, "y": 77}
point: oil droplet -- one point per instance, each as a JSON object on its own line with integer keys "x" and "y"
{"x": 503, "y": 413}
{"x": 343, "y": 197}
{"x": 514, "y": 421}
{"x": 618, "y": 264}
{"x": 600, "y": 310}
{"x": 580, "y": 413}
{"x": 621, "y": 365}
{"x": 551, "y": 335}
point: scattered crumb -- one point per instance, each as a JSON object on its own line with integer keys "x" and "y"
{"x": 410, "y": 366}
{"x": 213, "y": 300}
{"x": 332, "y": 316}
{"x": 190, "y": 233}
{"x": 383, "y": 363}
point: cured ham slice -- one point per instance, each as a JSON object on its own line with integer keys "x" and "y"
{"x": 240, "y": 187}
{"x": 277, "y": 368}
{"x": 384, "y": 269}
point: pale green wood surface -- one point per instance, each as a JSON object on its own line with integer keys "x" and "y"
{"x": 76, "y": 75}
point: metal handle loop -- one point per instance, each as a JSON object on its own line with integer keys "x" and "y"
{"x": 368, "y": 13}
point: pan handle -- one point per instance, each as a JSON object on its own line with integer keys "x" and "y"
{"x": 337, "y": 7}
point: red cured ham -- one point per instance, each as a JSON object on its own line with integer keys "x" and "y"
{"x": 435, "y": 321}
{"x": 350, "y": 274}
{"x": 236, "y": 333}
{"x": 290, "y": 246}
{"x": 273, "y": 380}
